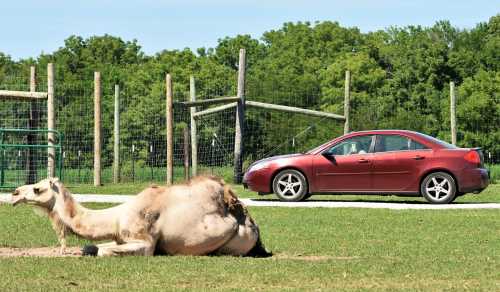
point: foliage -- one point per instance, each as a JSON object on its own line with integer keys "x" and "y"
{"x": 400, "y": 79}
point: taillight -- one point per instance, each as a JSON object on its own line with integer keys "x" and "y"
{"x": 473, "y": 157}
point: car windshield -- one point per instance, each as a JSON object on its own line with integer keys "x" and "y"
{"x": 437, "y": 141}
{"x": 316, "y": 148}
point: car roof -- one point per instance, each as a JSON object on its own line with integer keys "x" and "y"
{"x": 384, "y": 132}
{"x": 415, "y": 135}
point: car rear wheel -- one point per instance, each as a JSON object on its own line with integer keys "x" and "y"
{"x": 438, "y": 188}
{"x": 290, "y": 185}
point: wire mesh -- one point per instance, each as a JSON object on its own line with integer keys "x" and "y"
{"x": 143, "y": 131}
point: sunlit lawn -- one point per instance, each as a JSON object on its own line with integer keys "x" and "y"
{"x": 321, "y": 248}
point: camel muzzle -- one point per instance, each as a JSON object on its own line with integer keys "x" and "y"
{"x": 17, "y": 198}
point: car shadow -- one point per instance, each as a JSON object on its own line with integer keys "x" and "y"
{"x": 373, "y": 201}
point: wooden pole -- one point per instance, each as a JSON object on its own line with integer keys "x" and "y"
{"x": 210, "y": 101}
{"x": 186, "y": 153}
{"x": 97, "y": 128}
{"x": 347, "y": 101}
{"x": 51, "y": 121}
{"x": 194, "y": 138}
{"x": 22, "y": 95}
{"x": 116, "y": 144}
{"x": 240, "y": 120}
{"x": 292, "y": 109}
{"x": 453, "y": 114}
{"x": 170, "y": 131}
{"x": 216, "y": 109}
{"x": 32, "y": 124}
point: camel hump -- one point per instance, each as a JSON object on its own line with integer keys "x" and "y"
{"x": 230, "y": 198}
{"x": 202, "y": 178}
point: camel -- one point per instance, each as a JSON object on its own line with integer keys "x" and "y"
{"x": 200, "y": 217}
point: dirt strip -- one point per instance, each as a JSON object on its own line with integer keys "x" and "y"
{"x": 76, "y": 252}
{"x": 39, "y": 252}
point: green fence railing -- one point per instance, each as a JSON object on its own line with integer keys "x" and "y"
{"x": 23, "y": 157}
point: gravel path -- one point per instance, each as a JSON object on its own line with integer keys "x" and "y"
{"x": 307, "y": 204}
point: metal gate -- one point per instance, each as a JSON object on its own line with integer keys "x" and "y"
{"x": 24, "y": 156}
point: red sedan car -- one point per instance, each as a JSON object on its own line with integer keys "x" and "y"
{"x": 373, "y": 162}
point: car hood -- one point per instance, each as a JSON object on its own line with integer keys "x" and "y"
{"x": 272, "y": 158}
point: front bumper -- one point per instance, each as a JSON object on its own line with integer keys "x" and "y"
{"x": 258, "y": 181}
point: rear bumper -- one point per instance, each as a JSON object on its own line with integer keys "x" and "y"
{"x": 474, "y": 180}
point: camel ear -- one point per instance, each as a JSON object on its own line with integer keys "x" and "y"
{"x": 53, "y": 183}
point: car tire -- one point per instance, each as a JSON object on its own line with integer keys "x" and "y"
{"x": 438, "y": 188}
{"x": 290, "y": 185}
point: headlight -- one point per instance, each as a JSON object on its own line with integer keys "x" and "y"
{"x": 258, "y": 166}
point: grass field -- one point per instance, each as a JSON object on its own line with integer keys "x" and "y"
{"x": 316, "y": 249}
{"x": 489, "y": 195}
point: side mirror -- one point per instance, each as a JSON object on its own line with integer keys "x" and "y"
{"x": 329, "y": 156}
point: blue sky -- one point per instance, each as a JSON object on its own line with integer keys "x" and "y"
{"x": 29, "y": 27}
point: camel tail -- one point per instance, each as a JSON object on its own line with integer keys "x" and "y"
{"x": 230, "y": 197}
{"x": 259, "y": 250}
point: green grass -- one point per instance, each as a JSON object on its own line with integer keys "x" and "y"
{"x": 141, "y": 175}
{"x": 494, "y": 172}
{"x": 489, "y": 195}
{"x": 317, "y": 249}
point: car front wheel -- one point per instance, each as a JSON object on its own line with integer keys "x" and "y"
{"x": 438, "y": 188}
{"x": 290, "y": 185}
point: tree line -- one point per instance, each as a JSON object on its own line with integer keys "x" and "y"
{"x": 400, "y": 78}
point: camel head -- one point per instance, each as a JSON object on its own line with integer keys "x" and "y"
{"x": 42, "y": 194}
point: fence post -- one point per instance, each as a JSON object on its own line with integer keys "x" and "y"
{"x": 347, "y": 101}
{"x": 116, "y": 146}
{"x": 97, "y": 128}
{"x": 453, "y": 114}
{"x": 170, "y": 134}
{"x": 32, "y": 124}
{"x": 194, "y": 138}
{"x": 240, "y": 120}
{"x": 186, "y": 153}
{"x": 51, "y": 122}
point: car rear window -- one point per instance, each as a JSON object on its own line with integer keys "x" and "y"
{"x": 437, "y": 141}
{"x": 396, "y": 143}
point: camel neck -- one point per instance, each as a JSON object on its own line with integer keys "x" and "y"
{"x": 87, "y": 223}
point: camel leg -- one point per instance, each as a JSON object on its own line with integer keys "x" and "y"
{"x": 61, "y": 236}
{"x": 62, "y": 241}
{"x": 132, "y": 247}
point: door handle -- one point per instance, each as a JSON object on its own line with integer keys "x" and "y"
{"x": 362, "y": 160}
{"x": 418, "y": 157}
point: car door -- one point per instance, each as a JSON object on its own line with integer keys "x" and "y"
{"x": 396, "y": 163}
{"x": 345, "y": 166}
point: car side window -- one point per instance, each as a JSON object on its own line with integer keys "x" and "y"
{"x": 417, "y": 146}
{"x": 354, "y": 145}
{"x": 387, "y": 143}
